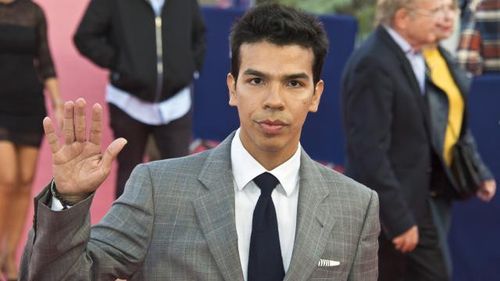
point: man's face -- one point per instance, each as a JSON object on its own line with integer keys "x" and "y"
{"x": 273, "y": 93}
{"x": 420, "y": 22}
{"x": 446, "y": 23}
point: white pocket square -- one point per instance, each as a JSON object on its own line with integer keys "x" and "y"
{"x": 327, "y": 263}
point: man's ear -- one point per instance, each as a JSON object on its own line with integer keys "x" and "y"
{"x": 318, "y": 91}
{"x": 400, "y": 19}
{"x": 231, "y": 87}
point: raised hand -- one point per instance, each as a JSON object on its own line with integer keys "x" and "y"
{"x": 79, "y": 166}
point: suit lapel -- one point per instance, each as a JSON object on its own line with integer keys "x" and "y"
{"x": 409, "y": 74}
{"x": 215, "y": 211}
{"x": 315, "y": 220}
{"x": 403, "y": 60}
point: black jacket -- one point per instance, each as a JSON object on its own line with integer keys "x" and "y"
{"x": 122, "y": 37}
{"x": 385, "y": 117}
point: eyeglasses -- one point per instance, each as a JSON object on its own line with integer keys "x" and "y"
{"x": 451, "y": 8}
{"x": 435, "y": 12}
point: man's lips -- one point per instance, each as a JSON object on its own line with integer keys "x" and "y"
{"x": 446, "y": 27}
{"x": 271, "y": 126}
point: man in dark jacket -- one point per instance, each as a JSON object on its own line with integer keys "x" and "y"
{"x": 389, "y": 137}
{"x": 152, "y": 49}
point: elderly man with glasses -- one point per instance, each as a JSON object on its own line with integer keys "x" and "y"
{"x": 388, "y": 138}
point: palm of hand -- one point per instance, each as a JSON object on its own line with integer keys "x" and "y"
{"x": 78, "y": 168}
{"x": 78, "y": 164}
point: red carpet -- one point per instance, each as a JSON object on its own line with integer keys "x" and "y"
{"x": 78, "y": 78}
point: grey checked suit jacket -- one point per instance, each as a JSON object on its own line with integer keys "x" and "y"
{"x": 175, "y": 221}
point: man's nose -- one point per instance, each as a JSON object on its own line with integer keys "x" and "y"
{"x": 274, "y": 97}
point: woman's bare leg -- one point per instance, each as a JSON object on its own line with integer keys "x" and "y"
{"x": 8, "y": 183}
{"x": 20, "y": 200}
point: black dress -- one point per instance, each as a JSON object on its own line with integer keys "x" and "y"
{"x": 25, "y": 62}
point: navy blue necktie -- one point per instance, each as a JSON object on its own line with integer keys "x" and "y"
{"x": 265, "y": 262}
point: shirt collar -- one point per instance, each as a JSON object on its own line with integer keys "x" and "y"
{"x": 402, "y": 43}
{"x": 157, "y": 6}
{"x": 246, "y": 168}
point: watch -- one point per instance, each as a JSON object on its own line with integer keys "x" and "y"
{"x": 55, "y": 194}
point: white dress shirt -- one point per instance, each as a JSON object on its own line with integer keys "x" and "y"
{"x": 285, "y": 198}
{"x": 150, "y": 113}
{"x": 157, "y": 6}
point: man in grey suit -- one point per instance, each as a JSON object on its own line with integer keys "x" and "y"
{"x": 198, "y": 217}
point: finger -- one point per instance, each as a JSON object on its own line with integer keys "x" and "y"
{"x": 397, "y": 243}
{"x": 413, "y": 241}
{"x": 80, "y": 129}
{"x": 68, "y": 123}
{"x": 96, "y": 125}
{"x": 59, "y": 115}
{"x": 399, "y": 248}
{"x": 408, "y": 246}
{"x": 491, "y": 189}
{"x": 403, "y": 248}
{"x": 485, "y": 195}
{"x": 403, "y": 245}
{"x": 413, "y": 247}
{"x": 111, "y": 152}
{"x": 50, "y": 134}
{"x": 480, "y": 195}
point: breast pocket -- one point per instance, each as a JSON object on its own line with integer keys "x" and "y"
{"x": 336, "y": 273}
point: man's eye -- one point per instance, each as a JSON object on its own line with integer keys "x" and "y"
{"x": 294, "y": 83}
{"x": 256, "y": 81}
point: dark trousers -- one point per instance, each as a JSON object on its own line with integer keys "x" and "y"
{"x": 172, "y": 140}
{"x": 441, "y": 212}
{"x": 425, "y": 263}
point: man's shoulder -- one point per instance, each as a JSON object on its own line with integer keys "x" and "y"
{"x": 376, "y": 51}
{"x": 193, "y": 162}
{"x": 342, "y": 184}
{"x": 379, "y": 40}
{"x": 214, "y": 160}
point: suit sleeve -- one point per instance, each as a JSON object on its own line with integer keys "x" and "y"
{"x": 198, "y": 36}
{"x": 467, "y": 136}
{"x": 63, "y": 246}
{"x": 92, "y": 35}
{"x": 368, "y": 94}
{"x": 365, "y": 266}
{"x": 484, "y": 172}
